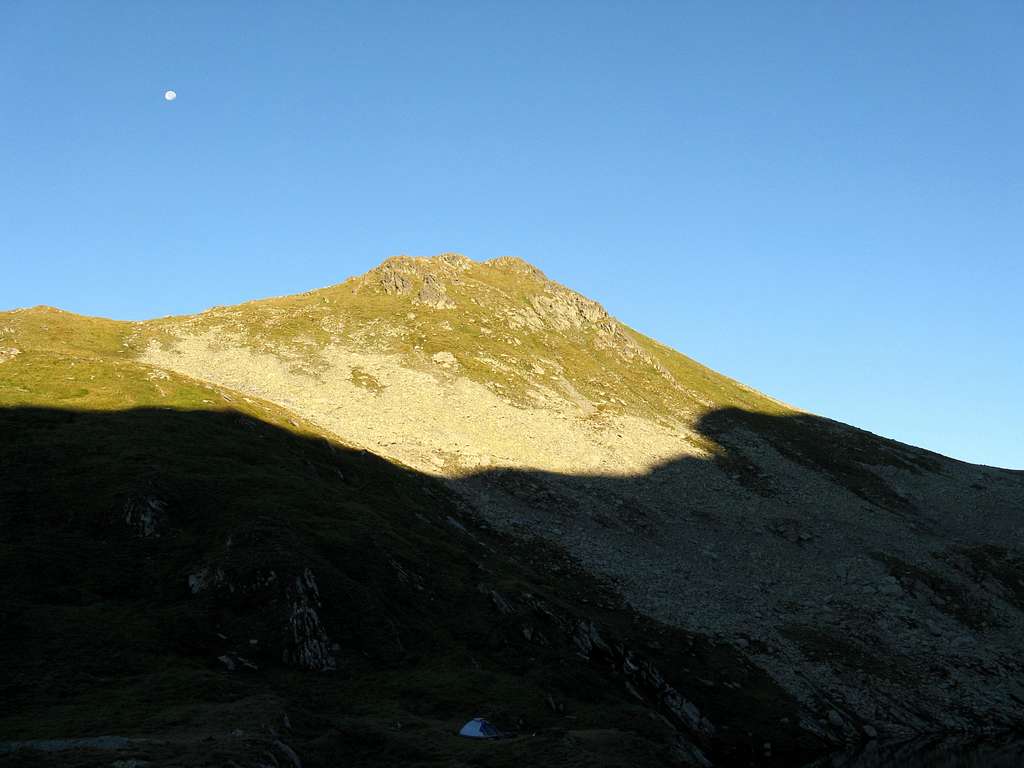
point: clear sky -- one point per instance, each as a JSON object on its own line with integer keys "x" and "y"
{"x": 823, "y": 200}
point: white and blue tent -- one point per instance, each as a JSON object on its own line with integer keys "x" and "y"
{"x": 478, "y": 728}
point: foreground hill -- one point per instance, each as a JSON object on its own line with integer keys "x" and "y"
{"x": 544, "y": 478}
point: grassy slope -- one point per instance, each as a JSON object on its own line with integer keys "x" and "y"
{"x": 360, "y": 314}
{"x": 70, "y": 361}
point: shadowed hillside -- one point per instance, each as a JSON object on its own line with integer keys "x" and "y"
{"x": 178, "y": 575}
{"x": 172, "y": 576}
{"x": 878, "y": 583}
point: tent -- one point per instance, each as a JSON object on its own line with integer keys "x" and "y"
{"x": 478, "y": 728}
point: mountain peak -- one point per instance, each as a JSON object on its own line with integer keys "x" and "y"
{"x": 516, "y": 265}
{"x": 451, "y": 263}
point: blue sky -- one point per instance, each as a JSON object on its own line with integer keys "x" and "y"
{"x": 823, "y": 200}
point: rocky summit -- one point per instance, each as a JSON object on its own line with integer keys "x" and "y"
{"x": 330, "y": 528}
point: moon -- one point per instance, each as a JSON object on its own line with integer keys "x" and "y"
{"x": 170, "y": 95}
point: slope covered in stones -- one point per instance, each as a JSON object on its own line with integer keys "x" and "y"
{"x": 450, "y": 365}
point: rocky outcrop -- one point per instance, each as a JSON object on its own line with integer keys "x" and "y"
{"x": 445, "y": 359}
{"x": 564, "y": 310}
{"x": 144, "y": 515}
{"x": 541, "y": 624}
{"x": 307, "y": 644}
{"x": 641, "y": 678}
{"x": 433, "y": 294}
{"x": 517, "y": 266}
{"x": 289, "y": 615}
{"x": 204, "y": 579}
{"x": 393, "y": 282}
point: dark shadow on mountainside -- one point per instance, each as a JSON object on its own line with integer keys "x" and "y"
{"x": 218, "y": 586}
{"x": 204, "y": 585}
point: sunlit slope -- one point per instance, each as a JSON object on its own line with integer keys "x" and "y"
{"x": 52, "y": 358}
{"x": 501, "y": 319}
{"x": 450, "y": 364}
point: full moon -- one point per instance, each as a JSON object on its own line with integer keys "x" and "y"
{"x": 170, "y": 95}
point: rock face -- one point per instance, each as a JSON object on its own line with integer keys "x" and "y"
{"x": 393, "y": 282}
{"x": 307, "y": 643}
{"x": 541, "y": 625}
{"x": 288, "y": 618}
{"x": 642, "y": 679}
{"x": 433, "y": 294}
{"x": 144, "y": 515}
